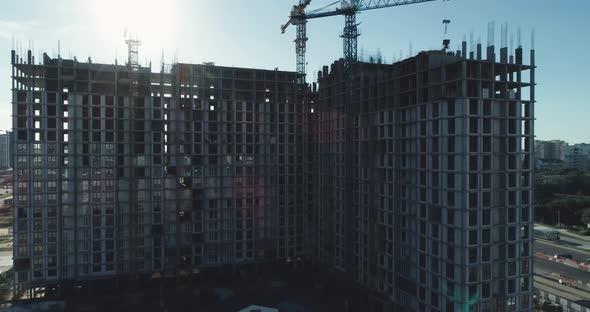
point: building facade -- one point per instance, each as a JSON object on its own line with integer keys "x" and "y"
{"x": 539, "y": 150}
{"x": 554, "y": 150}
{"x": 5, "y": 150}
{"x": 120, "y": 171}
{"x": 578, "y": 155}
{"x": 432, "y": 208}
{"x": 418, "y": 188}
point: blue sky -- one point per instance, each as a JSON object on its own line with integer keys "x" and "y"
{"x": 246, "y": 33}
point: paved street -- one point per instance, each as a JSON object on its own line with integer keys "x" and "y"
{"x": 546, "y": 267}
{"x": 5, "y": 260}
{"x": 576, "y": 295}
{"x": 552, "y": 269}
{"x": 552, "y": 248}
{"x": 572, "y": 240}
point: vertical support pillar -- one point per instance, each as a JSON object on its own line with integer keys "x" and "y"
{"x": 504, "y": 55}
{"x": 519, "y": 56}
{"x": 491, "y": 54}
{"x": 478, "y": 51}
{"x": 464, "y": 49}
{"x": 531, "y": 135}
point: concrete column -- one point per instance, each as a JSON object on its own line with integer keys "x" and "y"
{"x": 479, "y": 51}
{"x": 464, "y": 49}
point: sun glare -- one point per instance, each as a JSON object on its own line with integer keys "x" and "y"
{"x": 147, "y": 20}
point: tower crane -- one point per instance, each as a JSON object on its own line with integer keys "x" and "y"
{"x": 348, "y": 8}
{"x": 299, "y": 17}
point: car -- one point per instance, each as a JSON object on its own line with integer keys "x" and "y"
{"x": 549, "y": 307}
{"x": 566, "y": 256}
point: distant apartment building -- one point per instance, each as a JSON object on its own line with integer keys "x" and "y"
{"x": 5, "y": 150}
{"x": 121, "y": 171}
{"x": 539, "y": 150}
{"x": 423, "y": 189}
{"x": 578, "y": 155}
{"x": 550, "y": 150}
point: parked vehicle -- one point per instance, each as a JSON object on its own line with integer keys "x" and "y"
{"x": 551, "y": 307}
{"x": 566, "y": 256}
{"x": 546, "y": 233}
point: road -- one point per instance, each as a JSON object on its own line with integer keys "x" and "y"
{"x": 560, "y": 247}
{"x": 571, "y": 240}
{"x": 574, "y": 242}
{"x": 546, "y": 267}
{"x": 577, "y": 295}
{"x": 5, "y": 260}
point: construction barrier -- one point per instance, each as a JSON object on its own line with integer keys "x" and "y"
{"x": 569, "y": 262}
{"x": 569, "y": 305}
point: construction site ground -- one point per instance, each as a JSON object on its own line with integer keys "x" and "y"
{"x": 277, "y": 286}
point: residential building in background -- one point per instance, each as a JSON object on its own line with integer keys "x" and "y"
{"x": 578, "y": 155}
{"x": 123, "y": 172}
{"x": 423, "y": 187}
{"x": 557, "y": 154}
{"x": 539, "y": 150}
{"x": 6, "y": 150}
{"x": 554, "y": 149}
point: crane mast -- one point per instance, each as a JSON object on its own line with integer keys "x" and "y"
{"x": 349, "y": 36}
{"x": 296, "y": 18}
{"x": 299, "y": 17}
{"x": 300, "y": 46}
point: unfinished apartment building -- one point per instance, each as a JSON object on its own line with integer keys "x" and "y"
{"x": 121, "y": 171}
{"x": 432, "y": 209}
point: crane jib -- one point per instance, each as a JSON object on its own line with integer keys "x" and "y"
{"x": 299, "y": 17}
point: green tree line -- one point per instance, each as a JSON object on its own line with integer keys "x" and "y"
{"x": 568, "y": 196}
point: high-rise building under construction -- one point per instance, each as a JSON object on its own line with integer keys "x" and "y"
{"x": 420, "y": 191}
{"x": 121, "y": 171}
